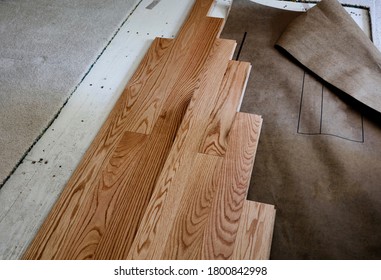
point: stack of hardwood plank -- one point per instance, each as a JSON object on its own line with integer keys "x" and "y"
{"x": 167, "y": 175}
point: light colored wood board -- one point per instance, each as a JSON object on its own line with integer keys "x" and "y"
{"x": 215, "y": 138}
{"x": 137, "y": 95}
{"x": 144, "y": 97}
{"x": 197, "y": 27}
{"x": 198, "y": 12}
{"x": 132, "y": 201}
{"x": 255, "y": 232}
{"x": 185, "y": 238}
{"x": 196, "y": 53}
{"x": 87, "y": 217}
{"x": 207, "y": 72}
{"x": 88, "y": 173}
{"x": 155, "y": 225}
{"x": 38, "y": 185}
{"x": 234, "y": 179}
{"x": 30, "y": 192}
{"x": 184, "y": 61}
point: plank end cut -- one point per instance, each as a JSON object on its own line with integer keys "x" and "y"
{"x": 255, "y": 232}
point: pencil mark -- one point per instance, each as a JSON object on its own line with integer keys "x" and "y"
{"x": 321, "y": 112}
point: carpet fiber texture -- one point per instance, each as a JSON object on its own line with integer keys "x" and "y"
{"x": 318, "y": 158}
{"x": 46, "y": 48}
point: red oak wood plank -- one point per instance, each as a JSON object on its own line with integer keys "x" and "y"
{"x": 220, "y": 233}
{"x": 133, "y": 199}
{"x": 118, "y": 238}
{"x": 255, "y": 231}
{"x": 215, "y": 138}
{"x": 153, "y": 102}
{"x": 85, "y": 180}
{"x": 197, "y": 27}
{"x": 156, "y": 223}
{"x": 186, "y": 236}
{"x": 185, "y": 239}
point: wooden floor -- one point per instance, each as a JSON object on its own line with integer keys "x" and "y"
{"x": 167, "y": 175}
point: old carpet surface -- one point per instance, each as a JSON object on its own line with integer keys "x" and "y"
{"x": 46, "y": 47}
{"x": 318, "y": 158}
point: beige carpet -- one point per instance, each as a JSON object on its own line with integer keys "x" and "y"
{"x": 46, "y": 48}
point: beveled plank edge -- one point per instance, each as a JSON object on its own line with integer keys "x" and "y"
{"x": 244, "y": 88}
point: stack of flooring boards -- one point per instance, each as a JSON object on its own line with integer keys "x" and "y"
{"x": 168, "y": 173}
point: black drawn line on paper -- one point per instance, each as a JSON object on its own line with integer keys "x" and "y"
{"x": 321, "y": 119}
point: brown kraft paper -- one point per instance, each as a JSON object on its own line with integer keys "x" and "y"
{"x": 319, "y": 154}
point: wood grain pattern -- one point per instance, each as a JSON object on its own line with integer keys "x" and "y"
{"x": 66, "y": 224}
{"x": 215, "y": 139}
{"x": 221, "y": 230}
{"x": 254, "y": 235}
{"x": 183, "y": 64}
{"x": 161, "y": 210}
{"x": 82, "y": 223}
{"x": 197, "y": 29}
{"x": 119, "y": 236}
{"x": 185, "y": 238}
{"x": 199, "y": 11}
{"x": 84, "y": 182}
{"x": 133, "y": 199}
{"x": 167, "y": 175}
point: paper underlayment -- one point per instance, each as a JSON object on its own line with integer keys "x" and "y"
{"x": 318, "y": 158}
